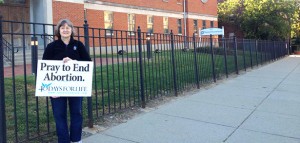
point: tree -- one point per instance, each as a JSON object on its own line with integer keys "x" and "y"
{"x": 295, "y": 22}
{"x": 228, "y": 9}
{"x": 259, "y": 19}
{"x": 1, "y": 1}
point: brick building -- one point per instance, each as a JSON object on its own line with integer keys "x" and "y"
{"x": 158, "y": 16}
{"x": 183, "y": 17}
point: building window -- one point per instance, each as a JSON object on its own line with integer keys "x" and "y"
{"x": 150, "y": 24}
{"x": 108, "y": 22}
{"x": 179, "y": 26}
{"x": 203, "y": 24}
{"x": 211, "y": 24}
{"x": 166, "y": 25}
{"x": 165, "y": 0}
{"x": 131, "y": 22}
{"x": 196, "y": 26}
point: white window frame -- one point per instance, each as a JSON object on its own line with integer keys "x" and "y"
{"x": 211, "y": 24}
{"x": 166, "y": 25}
{"x": 203, "y": 24}
{"x": 195, "y": 26}
{"x": 109, "y": 21}
{"x": 150, "y": 21}
{"x": 179, "y": 25}
{"x": 131, "y": 23}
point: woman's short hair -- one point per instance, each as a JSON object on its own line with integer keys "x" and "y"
{"x": 61, "y": 23}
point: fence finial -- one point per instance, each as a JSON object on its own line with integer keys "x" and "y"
{"x": 85, "y": 18}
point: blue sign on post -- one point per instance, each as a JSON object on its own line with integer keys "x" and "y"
{"x": 212, "y": 31}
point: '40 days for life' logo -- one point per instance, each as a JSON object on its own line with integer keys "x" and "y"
{"x": 44, "y": 86}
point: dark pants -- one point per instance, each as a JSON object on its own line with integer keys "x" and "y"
{"x": 59, "y": 107}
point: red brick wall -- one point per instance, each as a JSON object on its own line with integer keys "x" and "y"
{"x": 75, "y": 12}
{"x": 141, "y": 20}
{"x": 71, "y": 11}
{"x": 190, "y": 27}
{"x": 158, "y": 4}
{"x": 196, "y": 6}
{"x": 95, "y": 18}
{"x": 173, "y": 25}
{"x": 120, "y": 21}
{"x": 216, "y": 24}
{"x": 158, "y": 24}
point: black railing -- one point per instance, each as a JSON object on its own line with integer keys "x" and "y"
{"x": 47, "y": 38}
{"x": 3, "y": 132}
{"x": 131, "y": 68}
{"x": 8, "y": 50}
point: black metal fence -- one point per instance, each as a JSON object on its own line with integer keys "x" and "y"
{"x": 131, "y": 68}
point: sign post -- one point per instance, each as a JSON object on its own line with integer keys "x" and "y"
{"x": 209, "y": 32}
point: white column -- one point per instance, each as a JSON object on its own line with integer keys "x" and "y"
{"x": 48, "y": 15}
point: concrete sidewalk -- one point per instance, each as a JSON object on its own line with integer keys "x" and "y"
{"x": 259, "y": 106}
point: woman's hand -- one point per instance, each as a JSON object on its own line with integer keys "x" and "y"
{"x": 66, "y": 59}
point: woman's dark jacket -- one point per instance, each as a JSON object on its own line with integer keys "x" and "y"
{"x": 57, "y": 50}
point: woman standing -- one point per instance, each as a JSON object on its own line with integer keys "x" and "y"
{"x": 66, "y": 49}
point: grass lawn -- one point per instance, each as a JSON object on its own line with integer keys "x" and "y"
{"x": 115, "y": 86}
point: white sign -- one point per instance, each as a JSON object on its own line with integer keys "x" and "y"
{"x": 212, "y": 31}
{"x": 71, "y": 79}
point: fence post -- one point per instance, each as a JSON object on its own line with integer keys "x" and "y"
{"x": 264, "y": 53}
{"x": 89, "y": 99}
{"x": 280, "y": 49}
{"x": 2, "y": 96}
{"x": 261, "y": 51}
{"x": 272, "y": 51}
{"x": 173, "y": 63}
{"x": 235, "y": 55}
{"x": 148, "y": 43}
{"x": 275, "y": 51}
{"x": 225, "y": 56}
{"x": 251, "y": 59}
{"x": 212, "y": 59}
{"x": 141, "y": 67}
{"x": 289, "y": 48}
{"x": 283, "y": 47}
{"x": 244, "y": 56}
{"x": 256, "y": 49}
{"x": 284, "y": 51}
{"x": 34, "y": 54}
{"x": 267, "y": 52}
{"x": 195, "y": 62}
